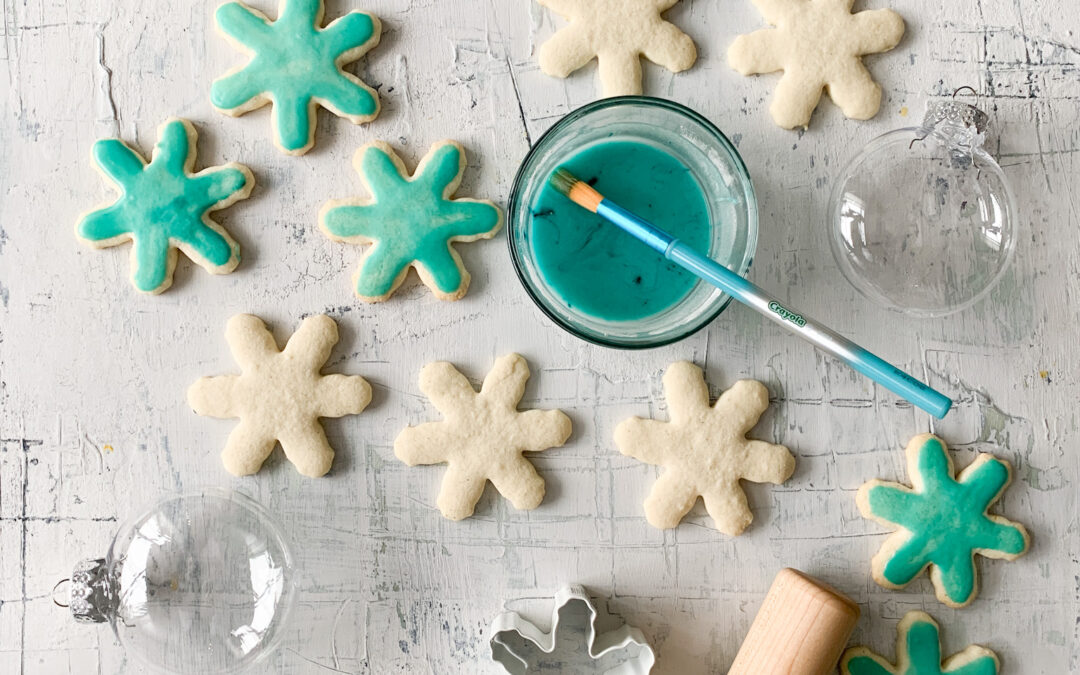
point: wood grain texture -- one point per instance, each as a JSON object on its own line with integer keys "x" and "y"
{"x": 801, "y": 629}
{"x": 93, "y": 419}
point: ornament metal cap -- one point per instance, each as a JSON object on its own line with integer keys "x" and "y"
{"x": 956, "y": 112}
{"x": 90, "y": 592}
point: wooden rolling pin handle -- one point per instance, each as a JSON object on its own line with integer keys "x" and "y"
{"x": 801, "y": 629}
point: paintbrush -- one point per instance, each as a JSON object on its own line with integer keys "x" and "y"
{"x": 703, "y": 267}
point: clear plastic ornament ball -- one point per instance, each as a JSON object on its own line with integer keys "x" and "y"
{"x": 199, "y": 583}
{"x": 923, "y": 220}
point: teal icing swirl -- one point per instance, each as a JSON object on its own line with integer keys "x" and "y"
{"x": 296, "y": 65}
{"x": 410, "y": 221}
{"x": 162, "y": 206}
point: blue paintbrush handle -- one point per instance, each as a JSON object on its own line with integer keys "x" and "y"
{"x": 863, "y": 361}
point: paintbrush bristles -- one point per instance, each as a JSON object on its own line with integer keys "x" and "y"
{"x": 579, "y": 192}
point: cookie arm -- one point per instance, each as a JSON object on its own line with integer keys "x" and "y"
{"x": 727, "y": 506}
{"x": 876, "y": 30}
{"x": 538, "y": 430}
{"x": 620, "y": 72}
{"x": 352, "y": 31}
{"x": 249, "y": 340}
{"x": 232, "y": 92}
{"x": 446, "y": 387}
{"x": 670, "y": 499}
{"x": 460, "y": 492}
{"x": 103, "y": 227}
{"x": 859, "y": 661}
{"x": 246, "y": 26}
{"x": 757, "y": 53}
{"x": 518, "y": 482}
{"x": 176, "y": 139}
{"x": 645, "y": 440}
{"x": 307, "y": 448}
{"x": 117, "y": 160}
{"x": 341, "y": 395}
{"x": 671, "y": 48}
{"x": 854, "y": 91}
{"x": 475, "y": 219}
{"x": 294, "y": 122}
{"x": 796, "y": 97}
{"x": 312, "y": 342}
{"x": 422, "y": 445}
{"x": 566, "y": 51}
{"x": 214, "y": 396}
{"x": 685, "y": 391}
{"x": 247, "y": 448}
{"x": 505, "y": 382}
{"x": 767, "y": 463}
{"x": 743, "y": 404}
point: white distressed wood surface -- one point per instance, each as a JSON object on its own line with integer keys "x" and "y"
{"x": 87, "y": 364}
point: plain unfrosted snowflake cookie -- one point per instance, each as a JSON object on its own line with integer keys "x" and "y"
{"x": 704, "y": 450}
{"x": 410, "y": 221}
{"x": 482, "y": 436}
{"x": 943, "y": 521}
{"x": 279, "y": 395}
{"x": 163, "y": 207}
{"x": 918, "y": 652}
{"x": 618, "y": 34}
{"x": 297, "y": 66}
{"x": 818, "y": 44}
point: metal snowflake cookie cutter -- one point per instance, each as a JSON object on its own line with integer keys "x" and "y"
{"x": 573, "y": 645}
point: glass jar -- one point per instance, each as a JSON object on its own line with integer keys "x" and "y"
{"x": 716, "y": 167}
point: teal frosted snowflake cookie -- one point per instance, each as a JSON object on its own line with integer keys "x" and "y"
{"x": 918, "y": 652}
{"x": 944, "y": 521}
{"x": 297, "y": 66}
{"x": 410, "y": 221}
{"x": 164, "y": 207}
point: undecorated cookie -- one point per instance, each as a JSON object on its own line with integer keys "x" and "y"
{"x": 296, "y": 65}
{"x": 943, "y": 521}
{"x": 618, "y": 33}
{"x": 164, "y": 207}
{"x": 279, "y": 396}
{"x": 704, "y": 450}
{"x": 410, "y": 221}
{"x": 482, "y": 436}
{"x": 818, "y": 45}
{"x": 918, "y": 652}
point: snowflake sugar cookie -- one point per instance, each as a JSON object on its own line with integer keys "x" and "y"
{"x": 297, "y": 66}
{"x": 918, "y": 652}
{"x": 410, "y": 221}
{"x": 164, "y": 207}
{"x": 704, "y": 450}
{"x": 818, "y": 45}
{"x": 279, "y": 396}
{"x": 482, "y": 436}
{"x": 618, "y": 33}
{"x": 943, "y": 521}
